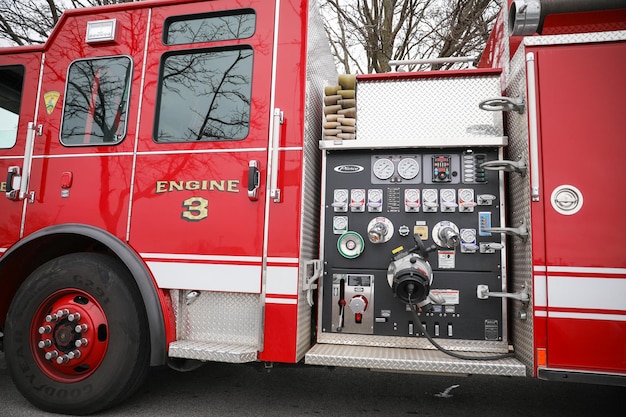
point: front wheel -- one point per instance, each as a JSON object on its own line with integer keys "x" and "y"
{"x": 76, "y": 335}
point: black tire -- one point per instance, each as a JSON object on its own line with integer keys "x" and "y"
{"x": 115, "y": 359}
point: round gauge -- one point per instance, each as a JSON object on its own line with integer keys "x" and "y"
{"x": 447, "y": 195}
{"x": 468, "y": 235}
{"x": 383, "y": 168}
{"x": 466, "y": 194}
{"x": 429, "y": 195}
{"x": 357, "y": 195}
{"x": 340, "y": 223}
{"x": 411, "y": 195}
{"x": 375, "y": 195}
{"x": 408, "y": 168}
{"x": 341, "y": 195}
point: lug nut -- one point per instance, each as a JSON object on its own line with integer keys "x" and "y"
{"x": 81, "y": 328}
{"x": 51, "y": 355}
{"x": 81, "y": 342}
{"x": 75, "y": 354}
{"x": 63, "y": 313}
{"x": 63, "y": 359}
{"x": 74, "y": 317}
{"x": 51, "y": 318}
{"x": 44, "y": 344}
{"x": 45, "y": 329}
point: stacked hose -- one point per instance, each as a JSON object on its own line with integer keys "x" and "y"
{"x": 340, "y": 109}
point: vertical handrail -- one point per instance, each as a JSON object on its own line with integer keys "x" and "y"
{"x": 278, "y": 121}
{"x": 531, "y": 80}
{"x": 28, "y": 159}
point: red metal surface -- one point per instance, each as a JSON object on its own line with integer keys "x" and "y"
{"x": 284, "y": 217}
{"x": 64, "y": 336}
{"x": 600, "y": 21}
{"x": 580, "y": 89}
{"x": 12, "y": 210}
{"x": 430, "y": 74}
{"x": 101, "y": 174}
{"x": 234, "y": 224}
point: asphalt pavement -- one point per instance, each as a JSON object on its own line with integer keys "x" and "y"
{"x": 240, "y": 390}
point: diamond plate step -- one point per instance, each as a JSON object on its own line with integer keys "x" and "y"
{"x": 414, "y": 360}
{"x": 213, "y": 351}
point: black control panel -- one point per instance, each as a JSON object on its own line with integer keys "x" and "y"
{"x": 412, "y": 223}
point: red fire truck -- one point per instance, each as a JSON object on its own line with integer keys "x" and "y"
{"x": 191, "y": 181}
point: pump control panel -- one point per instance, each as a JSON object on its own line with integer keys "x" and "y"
{"x": 409, "y": 228}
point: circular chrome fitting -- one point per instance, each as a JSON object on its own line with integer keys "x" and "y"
{"x": 566, "y": 200}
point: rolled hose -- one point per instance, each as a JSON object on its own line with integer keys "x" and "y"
{"x": 527, "y": 16}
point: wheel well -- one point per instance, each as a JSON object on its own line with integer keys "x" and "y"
{"x": 46, "y": 244}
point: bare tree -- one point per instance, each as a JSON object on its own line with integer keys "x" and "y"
{"x": 366, "y": 34}
{"x": 27, "y": 22}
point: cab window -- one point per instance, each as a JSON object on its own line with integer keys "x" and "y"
{"x": 96, "y": 101}
{"x": 211, "y": 27}
{"x": 11, "y": 83}
{"x": 204, "y": 95}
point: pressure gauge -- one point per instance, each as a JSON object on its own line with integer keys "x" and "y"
{"x": 429, "y": 200}
{"x": 340, "y": 195}
{"x": 357, "y": 195}
{"x": 468, "y": 235}
{"x": 448, "y": 199}
{"x": 411, "y": 194}
{"x": 429, "y": 195}
{"x": 340, "y": 224}
{"x": 465, "y": 194}
{"x": 408, "y": 168}
{"x": 375, "y": 195}
{"x": 448, "y": 195}
{"x": 374, "y": 200}
{"x": 383, "y": 168}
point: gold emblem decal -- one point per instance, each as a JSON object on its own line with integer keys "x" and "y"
{"x": 51, "y": 98}
{"x": 230, "y": 186}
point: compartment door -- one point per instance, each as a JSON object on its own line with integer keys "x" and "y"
{"x": 19, "y": 74}
{"x": 583, "y": 143}
{"x": 203, "y": 144}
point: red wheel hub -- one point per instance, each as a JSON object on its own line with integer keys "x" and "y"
{"x": 69, "y": 335}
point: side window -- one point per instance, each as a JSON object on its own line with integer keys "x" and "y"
{"x": 96, "y": 101}
{"x": 221, "y": 26}
{"x": 204, "y": 95}
{"x": 11, "y": 82}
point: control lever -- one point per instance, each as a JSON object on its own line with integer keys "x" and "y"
{"x": 503, "y": 104}
{"x": 342, "y": 303}
{"x": 505, "y": 165}
{"x": 521, "y": 231}
{"x": 482, "y": 292}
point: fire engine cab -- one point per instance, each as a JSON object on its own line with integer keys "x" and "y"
{"x": 190, "y": 181}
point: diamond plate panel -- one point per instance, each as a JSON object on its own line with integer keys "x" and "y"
{"x": 460, "y": 345}
{"x": 414, "y": 360}
{"x": 422, "y": 108}
{"x": 520, "y": 255}
{"x": 617, "y": 35}
{"x": 320, "y": 71}
{"x": 218, "y": 352}
{"x": 218, "y": 317}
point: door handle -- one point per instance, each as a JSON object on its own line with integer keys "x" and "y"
{"x": 254, "y": 179}
{"x": 14, "y": 180}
